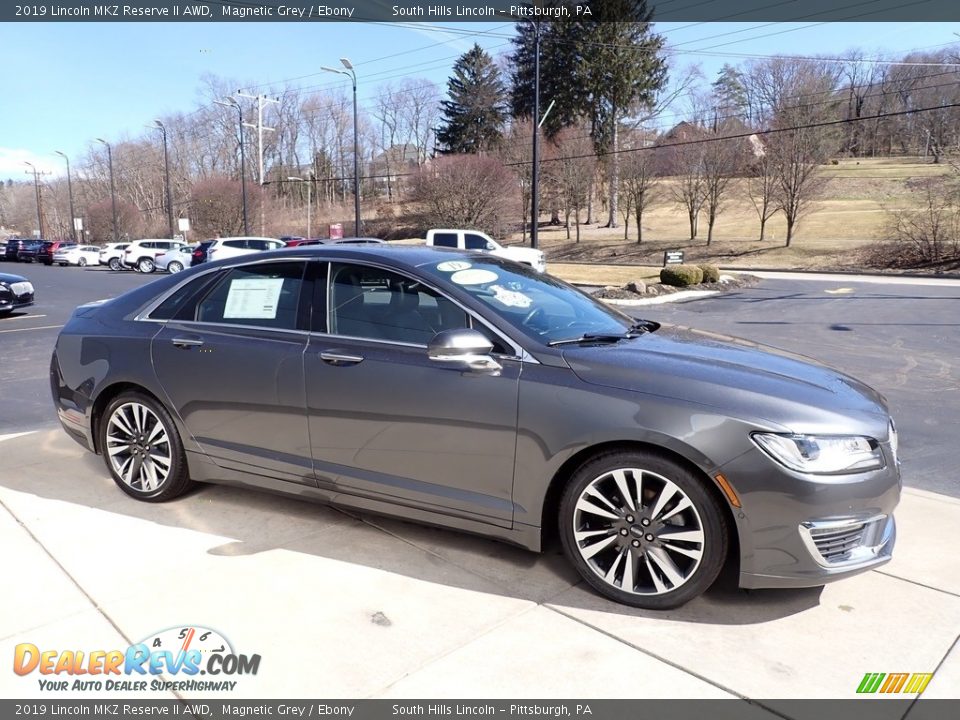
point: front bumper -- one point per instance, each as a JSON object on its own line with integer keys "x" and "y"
{"x": 797, "y": 530}
{"x": 10, "y": 300}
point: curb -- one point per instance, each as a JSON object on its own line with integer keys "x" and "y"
{"x": 682, "y": 296}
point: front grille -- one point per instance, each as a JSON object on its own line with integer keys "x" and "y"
{"x": 835, "y": 542}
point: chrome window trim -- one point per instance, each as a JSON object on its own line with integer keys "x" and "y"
{"x": 520, "y": 352}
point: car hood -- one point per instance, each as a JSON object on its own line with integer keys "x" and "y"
{"x": 744, "y": 379}
{"x": 8, "y": 278}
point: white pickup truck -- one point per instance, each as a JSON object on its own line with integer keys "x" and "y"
{"x": 476, "y": 240}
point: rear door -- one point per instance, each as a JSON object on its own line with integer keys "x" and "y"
{"x": 231, "y": 363}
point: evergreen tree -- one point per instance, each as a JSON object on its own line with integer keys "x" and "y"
{"x": 475, "y": 111}
{"x": 730, "y": 93}
{"x": 603, "y": 68}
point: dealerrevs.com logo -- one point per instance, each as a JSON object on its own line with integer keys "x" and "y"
{"x": 184, "y": 653}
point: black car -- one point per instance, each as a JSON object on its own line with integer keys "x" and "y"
{"x": 29, "y": 249}
{"x": 49, "y": 247}
{"x": 12, "y": 250}
{"x": 468, "y": 391}
{"x": 15, "y": 292}
{"x": 199, "y": 254}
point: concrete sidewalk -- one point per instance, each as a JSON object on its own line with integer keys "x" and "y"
{"x": 353, "y": 606}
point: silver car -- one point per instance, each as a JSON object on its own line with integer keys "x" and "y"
{"x": 470, "y": 392}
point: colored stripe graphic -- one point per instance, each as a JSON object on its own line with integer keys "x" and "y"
{"x": 894, "y": 682}
{"x": 870, "y": 682}
{"x": 918, "y": 682}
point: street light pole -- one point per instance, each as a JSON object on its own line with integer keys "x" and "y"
{"x": 309, "y": 183}
{"x": 73, "y": 215}
{"x": 535, "y": 170}
{"x": 351, "y": 73}
{"x": 243, "y": 165}
{"x": 36, "y": 188}
{"x": 113, "y": 193}
{"x": 166, "y": 176}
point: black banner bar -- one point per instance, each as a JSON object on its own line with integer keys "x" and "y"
{"x": 874, "y": 708}
{"x": 480, "y": 11}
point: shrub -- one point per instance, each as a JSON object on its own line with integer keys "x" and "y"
{"x": 681, "y": 275}
{"x": 711, "y": 273}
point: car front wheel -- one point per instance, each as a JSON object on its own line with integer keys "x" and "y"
{"x": 642, "y": 529}
{"x": 146, "y": 265}
{"x": 142, "y": 449}
{"x": 82, "y": 262}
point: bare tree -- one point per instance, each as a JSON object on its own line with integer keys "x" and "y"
{"x": 762, "y": 184}
{"x": 720, "y": 164}
{"x": 571, "y": 174}
{"x": 689, "y": 186}
{"x": 797, "y": 157}
{"x": 640, "y": 184}
{"x": 472, "y": 191}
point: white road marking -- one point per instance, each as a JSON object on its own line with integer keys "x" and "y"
{"x": 41, "y": 327}
{"x": 11, "y": 436}
{"x": 24, "y": 317}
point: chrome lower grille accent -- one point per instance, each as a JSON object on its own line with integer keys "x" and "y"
{"x": 837, "y": 542}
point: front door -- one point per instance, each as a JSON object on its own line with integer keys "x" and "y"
{"x": 387, "y": 422}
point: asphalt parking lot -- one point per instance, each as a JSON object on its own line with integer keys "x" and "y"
{"x": 345, "y": 605}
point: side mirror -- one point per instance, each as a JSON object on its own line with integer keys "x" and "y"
{"x": 464, "y": 347}
{"x": 491, "y": 246}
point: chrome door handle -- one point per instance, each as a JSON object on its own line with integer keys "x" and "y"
{"x": 186, "y": 343}
{"x": 336, "y": 358}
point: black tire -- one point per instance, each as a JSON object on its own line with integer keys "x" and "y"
{"x": 704, "y": 515}
{"x": 176, "y": 481}
{"x": 146, "y": 265}
{"x": 82, "y": 262}
{"x": 174, "y": 266}
{"x": 114, "y": 264}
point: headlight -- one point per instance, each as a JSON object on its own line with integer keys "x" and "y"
{"x": 822, "y": 454}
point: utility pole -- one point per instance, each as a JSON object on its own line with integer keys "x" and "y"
{"x": 352, "y": 74}
{"x": 73, "y": 215}
{"x": 261, "y": 101}
{"x": 231, "y": 102}
{"x": 36, "y": 187}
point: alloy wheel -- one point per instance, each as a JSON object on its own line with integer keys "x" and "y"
{"x": 114, "y": 263}
{"x": 638, "y": 531}
{"x": 145, "y": 265}
{"x": 138, "y": 447}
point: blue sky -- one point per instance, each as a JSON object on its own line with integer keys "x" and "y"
{"x": 67, "y": 83}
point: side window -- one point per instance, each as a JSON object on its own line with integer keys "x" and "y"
{"x": 372, "y": 303}
{"x": 445, "y": 240}
{"x": 474, "y": 242}
{"x": 266, "y": 295}
{"x": 181, "y": 305}
{"x": 235, "y": 243}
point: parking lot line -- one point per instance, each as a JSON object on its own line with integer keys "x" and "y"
{"x": 11, "y": 436}
{"x": 41, "y": 327}
{"x": 24, "y": 317}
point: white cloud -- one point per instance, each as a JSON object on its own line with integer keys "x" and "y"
{"x": 12, "y": 163}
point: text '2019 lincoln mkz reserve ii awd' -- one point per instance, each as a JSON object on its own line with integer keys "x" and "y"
{"x": 466, "y": 391}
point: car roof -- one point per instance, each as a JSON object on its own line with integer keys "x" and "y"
{"x": 400, "y": 255}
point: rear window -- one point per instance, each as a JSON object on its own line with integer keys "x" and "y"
{"x": 445, "y": 240}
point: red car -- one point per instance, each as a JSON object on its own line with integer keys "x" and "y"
{"x": 49, "y": 247}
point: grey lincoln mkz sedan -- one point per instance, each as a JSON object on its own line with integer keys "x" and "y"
{"x": 469, "y": 392}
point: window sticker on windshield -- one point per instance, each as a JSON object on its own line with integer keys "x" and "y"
{"x": 473, "y": 277}
{"x": 453, "y": 266}
{"x": 253, "y": 298}
{"x": 510, "y": 298}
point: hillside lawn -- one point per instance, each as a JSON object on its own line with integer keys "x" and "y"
{"x": 850, "y": 213}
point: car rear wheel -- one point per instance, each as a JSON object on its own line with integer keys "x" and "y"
{"x": 174, "y": 267}
{"x": 142, "y": 449}
{"x": 62, "y": 264}
{"x": 114, "y": 264}
{"x": 642, "y": 529}
{"x": 146, "y": 265}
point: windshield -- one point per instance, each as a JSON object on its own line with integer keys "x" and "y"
{"x": 538, "y": 305}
